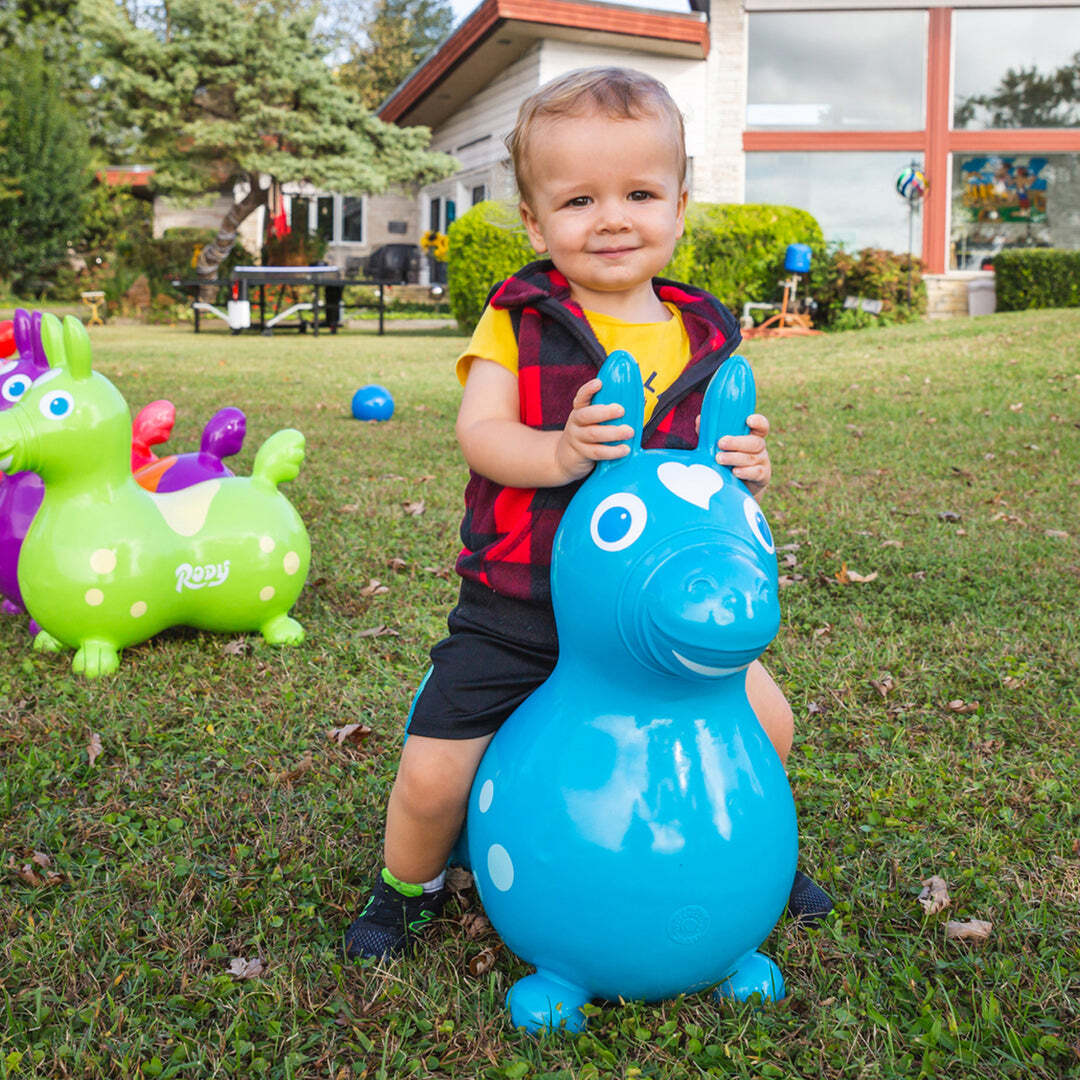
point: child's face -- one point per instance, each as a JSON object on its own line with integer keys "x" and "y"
{"x": 605, "y": 201}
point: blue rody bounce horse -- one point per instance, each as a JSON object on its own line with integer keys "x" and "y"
{"x": 631, "y": 829}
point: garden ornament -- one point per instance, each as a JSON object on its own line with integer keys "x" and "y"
{"x": 105, "y": 563}
{"x": 631, "y": 829}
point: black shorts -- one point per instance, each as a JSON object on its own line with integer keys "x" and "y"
{"x": 498, "y": 652}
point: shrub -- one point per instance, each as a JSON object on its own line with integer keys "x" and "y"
{"x": 737, "y": 251}
{"x": 1036, "y": 278}
{"x": 487, "y": 244}
{"x": 873, "y": 274}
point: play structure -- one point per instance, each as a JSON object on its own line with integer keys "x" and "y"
{"x": 106, "y": 563}
{"x": 793, "y": 317}
{"x": 372, "y": 403}
{"x": 631, "y": 829}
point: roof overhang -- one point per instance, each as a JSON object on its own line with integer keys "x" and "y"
{"x": 498, "y": 32}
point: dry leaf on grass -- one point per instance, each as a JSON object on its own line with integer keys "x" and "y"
{"x": 374, "y": 587}
{"x": 934, "y": 896}
{"x": 1011, "y": 682}
{"x": 444, "y": 572}
{"x": 416, "y": 508}
{"x": 458, "y": 879}
{"x": 397, "y": 563}
{"x": 821, "y": 631}
{"x": 94, "y": 749}
{"x": 378, "y": 631}
{"x": 1056, "y": 534}
{"x": 36, "y": 872}
{"x": 884, "y": 684}
{"x": 287, "y": 776}
{"x": 968, "y": 930}
{"x": 236, "y": 647}
{"x": 239, "y": 968}
{"x": 425, "y": 478}
{"x": 483, "y": 961}
{"x": 350, "y": 508}
{"x": 846, "y": 576}
{"x": 892, "y": 543}
{"x": 1016, "y": 406}
{"x": 959, "y": 705}
{"x": 474, "y": 924}
{"x": 354, "y": 733}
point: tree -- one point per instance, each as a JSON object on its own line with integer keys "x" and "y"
{"x": 397, "y": 35}
{"x": 1027, "y": 98}
{"x": 227, "y": 94}
{"x": 44, "y": 171}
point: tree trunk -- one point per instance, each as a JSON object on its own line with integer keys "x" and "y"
{"x": 214, "y": 253}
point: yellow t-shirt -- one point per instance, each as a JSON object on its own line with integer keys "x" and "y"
{"x": 662, "y": 349}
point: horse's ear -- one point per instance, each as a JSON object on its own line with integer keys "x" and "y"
{"x": 621, "y": 377}
{"x": 77, "y": 348}
{"x": 36, "y": 346}
{"x": 729, "y": 400}
{"x": 52, "y": 341}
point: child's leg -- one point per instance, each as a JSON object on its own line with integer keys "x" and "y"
{"x": 771, "y": 708}
{"x": 428, "y": 802}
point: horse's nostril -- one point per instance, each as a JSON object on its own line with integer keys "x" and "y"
{"x": 701, "y": 588}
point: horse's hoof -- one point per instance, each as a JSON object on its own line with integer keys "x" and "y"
{"x": 281, "y": 630}
{"x": 754, "y": 974}
{"x": 541, "y": 1003}
{"x": 45, "y": 642}
{"x": 95, "y": 659}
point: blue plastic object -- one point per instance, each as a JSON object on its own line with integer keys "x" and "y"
{"x": 372, "y": 403}
{"x": 797, "y": 259}
{"x": 631, "y": 829}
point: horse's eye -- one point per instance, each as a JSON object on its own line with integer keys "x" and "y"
{"x": 56, "y": 405}
{"x": 15, "y": 387}
{"x": 618, "y": 521}
{"x": 758, "y": 525}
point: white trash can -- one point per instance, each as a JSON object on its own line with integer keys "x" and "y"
{"x": 982, "y": 297}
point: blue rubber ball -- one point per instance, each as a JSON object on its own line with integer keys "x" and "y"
{"x": 372, "y": 403}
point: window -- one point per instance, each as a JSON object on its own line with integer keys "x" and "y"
{"x": 836, "y": 70}
{"x": 1013, "y": 200}
{"x": 852, "y": 195}
{"x": 1017, "y": 69}
{"x": 298, "y": 215}
{"x": 435, "y": 217}
{"x": 324, "y": 217}
{"x": 352, "y": 220}
{"x": 479, "y": 194}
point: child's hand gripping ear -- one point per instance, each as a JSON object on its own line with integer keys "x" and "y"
{"x": 747, "y": 455}
{"x": 585, "y": 439}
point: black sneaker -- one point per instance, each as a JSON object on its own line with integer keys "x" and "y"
{"x": 390, "y": 921}
{"x": 808, "y": 903}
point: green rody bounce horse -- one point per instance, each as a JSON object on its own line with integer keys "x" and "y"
{"x": 106, "y": 563}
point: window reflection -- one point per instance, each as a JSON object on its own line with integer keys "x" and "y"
{"x": 1017, "y": 68}
{"x": 1013, "y": 200}
{"x": 836, "y": 70}
{"x": 851, "y": 195}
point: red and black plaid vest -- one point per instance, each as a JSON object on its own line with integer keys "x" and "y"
{"x": 507, "y": 532}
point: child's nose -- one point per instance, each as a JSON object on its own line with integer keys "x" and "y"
{"x": 613, "y": 216}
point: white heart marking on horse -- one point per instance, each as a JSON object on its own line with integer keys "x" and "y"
{"x": 695, "y": 484}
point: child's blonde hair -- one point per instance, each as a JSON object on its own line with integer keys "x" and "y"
{"x": 621, "y": 93}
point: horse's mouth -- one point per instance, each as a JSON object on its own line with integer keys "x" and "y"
{"x": 705, "y": 669}
{"x": 6, "y": 462}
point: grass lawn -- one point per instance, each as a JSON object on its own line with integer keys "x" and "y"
{"x": 937, "y": 723}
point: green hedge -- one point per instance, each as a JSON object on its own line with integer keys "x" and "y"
{"x": 1036, "y": 278}
{"x": 487, "y": 244}
{"x": 736, "y": 251}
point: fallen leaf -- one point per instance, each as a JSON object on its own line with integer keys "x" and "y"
{"x": 397, "y": 563}
{"x": 236, "y": 647}
{"x": 856, "y": 432}
{"x": 94, "y": 749}
{"x": 350, "y": 508}
{"x": 1016, "y": 407}
{"x": 790, "y": 560}
{"x": 378, "y": 631}
{"x": 459, "y": 879}
{"x": 1032, "y": 446}
{"x": 821, "y": 631}
{"x": 474, "y": 924}
{"x": 444, "y": 572}
{"x": 815, "y": 709}
{"x": 415, "y": 508}
{"x": 949, "y": 515}
{"x": 969, "y": 930}
{"x": 1011, "y": 682}
{"x": 374, "y": 587}
{"x": 425, "y": 478}
{"x": 892, "y": 543}
{"x": 959, "y": 705}
{"x": 239, "y": 968}
{"x": 39, "y": 858}
{"x": 934, "y": 896}
{"x": 287, "y": 776}
{"x": 1056, "y": 534}
{"x": 918, "y": 575}
{"x": 354, "y": 733}
{"x": 27, "y": 872}
{"x": 847, "y": 577}
{"x": 784, "y": 580}
{"x": 883, "y": 685}
{"x": 482, "y": 962}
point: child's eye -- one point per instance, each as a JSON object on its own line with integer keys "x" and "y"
{"x": 579, "y": 200}
{"x": 639, "y": 196}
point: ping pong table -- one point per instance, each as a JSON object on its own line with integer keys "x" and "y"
{"x": 272, "y": 285}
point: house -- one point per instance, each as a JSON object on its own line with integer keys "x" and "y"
{"x": 812, "y": 103}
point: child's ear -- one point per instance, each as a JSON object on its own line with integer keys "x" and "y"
{"x": 532, "y": 227}
{"x": 680, "y": 216}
